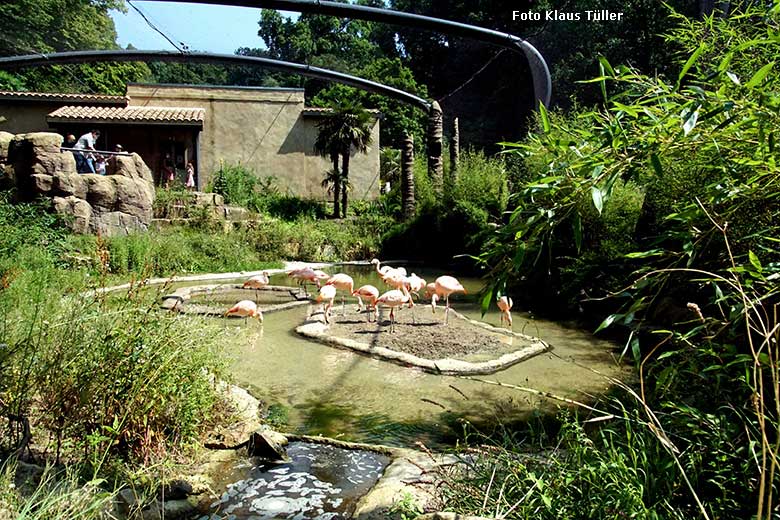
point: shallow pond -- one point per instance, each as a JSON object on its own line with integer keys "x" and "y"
{"x": 316, "y": 389}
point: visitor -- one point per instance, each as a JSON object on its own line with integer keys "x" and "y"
{"x": 84, "y": 162}
{"x": 169, "y": 170}
{"x": 190, "y": 177}
{"x": 70, "y": 141}
{"x": 118, "y": 148}
{"x": 100, "y": 165}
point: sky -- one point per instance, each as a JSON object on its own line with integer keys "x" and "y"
{"x": 208, "y": 28}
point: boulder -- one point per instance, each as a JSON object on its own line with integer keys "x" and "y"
{"x": 70, "y": 184}
{"x": 101, "y": 191}
{"x": 115, "y": 223}
{"x": 268, "y": 445}
{"x": 42, "y": 183}
{"x": 5, "y": 141}
{"x": 132, "y": 197}
{"x": 176, "y": 489}
{"x": 77, "y": 212}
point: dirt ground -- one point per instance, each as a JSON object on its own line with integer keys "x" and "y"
{"x": 425, "y": 336}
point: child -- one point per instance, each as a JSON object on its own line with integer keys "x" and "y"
{"x": 100, "y": 165}
{"x": 190, "y": 177}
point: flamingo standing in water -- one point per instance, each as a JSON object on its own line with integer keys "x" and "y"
{"x": 327, "y": 292}
{"x": 257, "y": 282}
{"x": 505, "y": 305}
{"x": 444, "y": 286}
{"x": 245, "y": 309}
{"x": 371, "y": 293}
{"x": 393, "y": 299}
{"x": 307, "y": 274}
{"x": 388, "y": 272}
{"x": 342, "y": 282}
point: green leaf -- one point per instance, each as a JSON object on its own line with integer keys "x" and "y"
{"x": 545, "y": 118}
{"x": 690, "y": 117}
{"x": 577, "y": 224}
{"x": 598, "y": 198}
{"x": 486, "y": 299}
{"x": 733, "y": 77}
{"x": 656, "y": 162}
{"x": 759, "y": 76}
{"x": 755, "y": 261}
{"x": 688, "y": 64}
{"x": 609, "y": 320}
{"x": 645, "y": 254}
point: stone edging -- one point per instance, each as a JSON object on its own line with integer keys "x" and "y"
{"x": 315, "y": 328}
{"x": 182, "y": 295}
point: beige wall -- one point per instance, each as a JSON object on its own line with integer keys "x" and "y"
{"x": 22, "y": 117}
{"x": 265, "y": 130}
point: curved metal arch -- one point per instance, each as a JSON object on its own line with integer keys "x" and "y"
{"x": 540, "y": 73}
{"x": 59, "y": 58}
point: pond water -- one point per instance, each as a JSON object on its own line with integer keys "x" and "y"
{"x": 316, "y": 389}
{"x": 320, "y": 482}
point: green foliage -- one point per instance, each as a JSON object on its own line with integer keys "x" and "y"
{"x": 235, "y": 183}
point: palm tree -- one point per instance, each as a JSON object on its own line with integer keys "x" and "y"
{"x": 327, "y": 146}
{"x": 347, "y": 126}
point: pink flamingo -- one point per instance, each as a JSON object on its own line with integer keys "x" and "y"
{"x": 257, "y": 282}
{"x": 505, "y": 305}
{"x": 245, "y": 309}
{"x": 393, "y": 299}
{"x": 307, "y": 274}
{"x": 387, "y": 271}
{"x": 343, "y": 282}
{"x": 371, "y": 293}
{"x": 446, "y": 285}
{"x": 327, "y": 292}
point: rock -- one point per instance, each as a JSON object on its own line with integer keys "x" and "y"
{"x": 101, "y": 191}
{"x": 42, "y": 141}
{"x": 126, "y": 502}
{"x": 268, "y": 445}
{"x": 170, "y": 510}
{"x": 114, "y": 223}
{"x": 5, "y": 141}
{"x": 208, "y": 199}
{"x": 42, "y": 183}
{"x": 450, "y": 516}
{"x": 70, "y": 184}
{"x": 235, "y": 213}
{"x": 176, "y": 489}
{"x": 27, "y": 477}
{"x": 131, "y": 199}
{"x": 77, "y": 212}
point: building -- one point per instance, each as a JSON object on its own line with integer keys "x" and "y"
{"x": 268, "y": 130}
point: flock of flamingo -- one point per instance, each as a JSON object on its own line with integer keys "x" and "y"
{"x": 403, "y": 288}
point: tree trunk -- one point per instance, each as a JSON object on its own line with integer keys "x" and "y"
{"x": 336, "y": 186}
{"x": 407, "y": 178}
{"x": 345, "y": 181}
{"x": 435, "y": 132}
{"x": 454, "y": 153}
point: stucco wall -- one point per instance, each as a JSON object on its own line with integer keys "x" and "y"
{"x": 22, "y": 118}
{"x": 265, "y": 130}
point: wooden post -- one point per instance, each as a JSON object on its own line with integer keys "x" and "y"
{"x": 435, "y": 136}
{"x": 407, "y": 178}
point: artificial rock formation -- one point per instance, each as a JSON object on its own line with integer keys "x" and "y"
{"x": 117, "y": 203}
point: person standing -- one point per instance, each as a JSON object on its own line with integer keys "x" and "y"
{"x": 169, "y": 170}
{"x": 86, "y": 142}
{"x": 190, "y": 177}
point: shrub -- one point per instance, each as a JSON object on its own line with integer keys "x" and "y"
{"x": 235, "y": 183}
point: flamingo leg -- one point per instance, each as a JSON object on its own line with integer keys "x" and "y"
{"x": 392, "y": 320}
{"x": 447, "y": 311}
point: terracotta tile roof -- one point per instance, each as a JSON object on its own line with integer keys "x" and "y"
{"x": 130, "y": 115}
{"x": 64, "y": 98}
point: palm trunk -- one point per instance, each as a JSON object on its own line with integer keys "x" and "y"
{"x": 407, "y": 178}
{"x": 435, "y": 135}
{"x": 345, "y": 180}
{"x": 454, "y": 155}
{"x": 336, "y": 187}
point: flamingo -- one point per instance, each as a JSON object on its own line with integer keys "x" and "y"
{"x": 446, "y": 285}
{"x": 394, "y": 298}
{"x": 370, "y": 292}
{"x": 307, "y": 274}
{"x": 505, "y": 305}
{"x": 387, "y": 271}
{"x": 257, "y": 282}
{"x": 327, "y": 292}
{"x": 245, "y": 309}
{"x": 342, "y": 282}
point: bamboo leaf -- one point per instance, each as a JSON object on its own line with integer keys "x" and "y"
{"x": 755, "y": 261}
{"x": 598, "y": 198}
{"x": 609, "y": 320}
{"x": 733, "y": 77}
{"x": 545, "y": 118}
{"x": 485, "y": 304}
{"x": 690, "y": 117}
{"x": 759, "y": 76}
{"x": 688, "y": 64}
